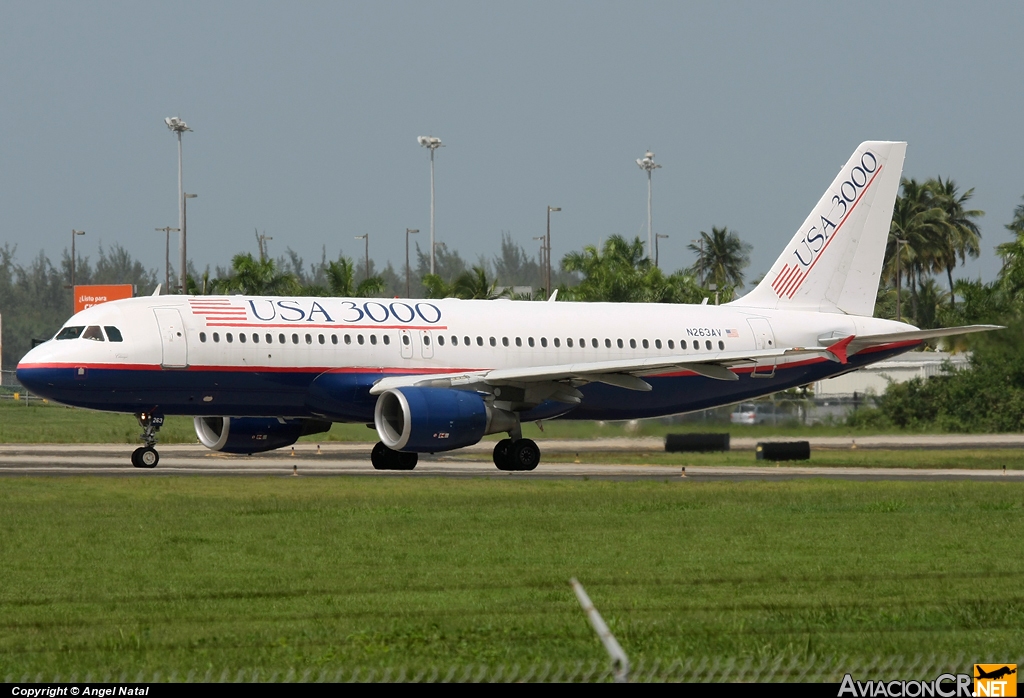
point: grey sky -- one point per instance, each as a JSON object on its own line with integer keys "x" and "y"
{"x": 306, "y": 117}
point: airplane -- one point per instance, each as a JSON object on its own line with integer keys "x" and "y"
{"x": 257, "y": 373}
{"x": 995, "y": 673}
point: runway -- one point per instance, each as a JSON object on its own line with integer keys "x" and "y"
{"x": 353, "y": 460}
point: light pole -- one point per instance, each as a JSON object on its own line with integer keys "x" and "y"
{"x": 899, "y": 294}
{"x": 178, "y": 126}
{"x": 700, "y": 260}
{"x": 366, "y": 238}
{"x": 432, "y": 144}
{"x": 408, "y": 232}
{"x": 74, "y": 234}
{"x": 543, "y": 256}
{"x": 656, "y": 238}
{"x": 547, "y": 245}
{"x": 167, "y": 256}
{"x": 184, "y": 238}
{"x": 647, "y": 163}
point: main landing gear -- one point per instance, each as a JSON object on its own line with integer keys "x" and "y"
{"x": 518, "y": 454}
{"x": 146, "y": 456}
{"x": 384, "y": 458}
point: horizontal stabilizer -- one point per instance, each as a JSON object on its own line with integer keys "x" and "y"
{"x": 874, "y": 340}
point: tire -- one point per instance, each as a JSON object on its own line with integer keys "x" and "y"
{"x": 524, "y": 455}
{"x": 148, "y": 457}
{"x": 500, "y": 455}
{"x": 135, "y": 458}
{"x": 406, "y": 461}
{"x": 379, "y": 457}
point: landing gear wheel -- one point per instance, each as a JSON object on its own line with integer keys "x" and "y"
{"x": 500, "y": 455}
{"x": 384, "y": 458}
{"x": 145, "y": 457}
{"x": 523, "y": 455}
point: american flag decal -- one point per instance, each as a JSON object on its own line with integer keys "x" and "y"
{"x": 732, "y": 334}
{"x": 217, "y": 310}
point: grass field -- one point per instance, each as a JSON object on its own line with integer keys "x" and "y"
{"x": 179, "y": 573}
{"x": 38, "y": 422}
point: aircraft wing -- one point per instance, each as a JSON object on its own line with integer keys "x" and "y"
{"x": 622, "y": 373}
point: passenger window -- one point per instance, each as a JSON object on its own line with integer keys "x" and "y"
{"x": 295, "y": 339}
{"x": 647, "y": 345}
{"x": 202, "y": 337}
{"x": 241, "y": 337}
{"x": 405, "y": 339}
{"x": 721, "y": 345}
{"x": 671, "y": 344}
{"x": 593, "y": 342}
{"x": 309, "y": 339}
{"x": 348, "y": 339}
{"x": 373, "y": 339}
{"x": 94, "y": 333}
{"x": 504, "y": 341}
{"x": 70, "y": 333}
{"x": 216, "y": 337}
{"x": 255, "y": 338}
{"x": 359, "y": 338}
{"x": 519, "y": 341}
{"x": 229, "y": 338}
{"x": 568, "y": 342}
{"x": 543, "y": 341}
{"x": 465, "y": 340}
{"x": 426, "y": 340}
{"x": 529, "y": 340}
{"x": 440, "y": 340}
{"x": 270, "y": 338}
{"x": 608, "y": 343}
{"x": 682, "y": 343}
{"x": 657, "y": 344}
{"x": 479, "y": 341}
{"x": 619, "y": 343}
{"x": 455, "y": 341}
{"x": 387, "y": 339}
{"x": 114, "y": 334}
{"x": 281, "y": 339}
{"x": 334, "y": 339}
{"x": 320, "y": 338}
{"x": 632, "y": 344}
{"x": 493, "y": 342}
{"x": 556, "y": 341}
{"x": 707, "y": 343}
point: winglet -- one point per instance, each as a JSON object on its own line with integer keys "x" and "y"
{"x": 838, "y": 350}
{"x": 554, "y": 295}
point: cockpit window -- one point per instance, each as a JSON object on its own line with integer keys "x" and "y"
{"x": 94, "y": 333}
{"x": 70, "y": 333}
{"x": 113, "y": 334}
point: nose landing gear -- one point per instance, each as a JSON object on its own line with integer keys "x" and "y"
{"x": 146, "y": 456}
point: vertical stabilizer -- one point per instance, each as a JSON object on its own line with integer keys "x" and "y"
{"x": 834, "y": 261}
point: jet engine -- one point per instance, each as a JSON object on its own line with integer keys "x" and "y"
{"x": 254, "y": 434}
{"x": 428, "y": 420}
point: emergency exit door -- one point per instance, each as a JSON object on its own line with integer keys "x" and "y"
{"x": 173, "y": 346}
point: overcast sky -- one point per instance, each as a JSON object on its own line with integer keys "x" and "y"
{"x": 305, "y": 119}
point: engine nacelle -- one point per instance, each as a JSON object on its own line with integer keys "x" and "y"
{"x": 254, "y": 434}
{"x": 428, "y": 420}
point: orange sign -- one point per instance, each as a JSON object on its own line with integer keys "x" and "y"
{"x": 88, "y": 296}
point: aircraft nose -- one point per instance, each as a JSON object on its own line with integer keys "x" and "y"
{"x": 38, "y": 372}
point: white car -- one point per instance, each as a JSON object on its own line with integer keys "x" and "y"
{"x": 750, "y": 413}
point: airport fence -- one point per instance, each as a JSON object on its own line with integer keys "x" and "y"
{"x": 784, "y": 669}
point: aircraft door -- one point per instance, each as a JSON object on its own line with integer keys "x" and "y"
{"x": 764, "y": 339}
{"x": 426, "y": 344}
{"x": 405, "y": 342}
{"x": 172, "y": 338}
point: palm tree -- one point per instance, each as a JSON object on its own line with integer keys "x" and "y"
{"x": 918, "y": 222}
{"x": 474, "y": 284}
{"x": 257, "y": 277}
{"x": 341, "y": 276}
{"x": 962, "y": 237}
{"x": 722, "y": 257}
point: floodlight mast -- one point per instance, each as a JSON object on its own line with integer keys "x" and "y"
{"x": 176, "y": 125}
{"x": 647, "y": 163}
{"x": 432, "y": 143}
{"x": 408, "y": 232}
{"x": 547, "y": 256}
{"x": 366, "y": 238}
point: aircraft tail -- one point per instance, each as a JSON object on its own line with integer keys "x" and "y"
{"x": 833, "y": 263}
